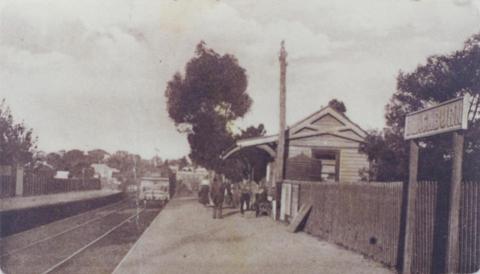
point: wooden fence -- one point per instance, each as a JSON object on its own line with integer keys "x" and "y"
{"x": 366, "y": 217}
{"x": 470, "y": 228}
{"x": 424, "y": 228}
{"x": 430, "y": 230}
{"x": 7, "y": 186}
{"x": 39, "y": 184}
{"x": 361, "y": 217}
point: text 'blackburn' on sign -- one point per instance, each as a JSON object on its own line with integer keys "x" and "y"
{"x": 448, "y": 116}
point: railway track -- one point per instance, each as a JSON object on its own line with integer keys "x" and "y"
{"x": 53, "y": 251}
{"x": 17, "y": 242}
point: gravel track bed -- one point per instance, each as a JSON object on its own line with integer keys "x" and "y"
{"x": 28, "y": 237}
{"x": 41, "y": 256}
{"x": 103, "y": 256}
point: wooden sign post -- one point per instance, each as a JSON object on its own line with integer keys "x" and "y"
{"x": 452, "y": 253}
{"x": 411, "y": 196}
{"x": 449, "y": 116}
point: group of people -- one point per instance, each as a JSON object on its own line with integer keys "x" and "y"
{"x": 246, "y": 194}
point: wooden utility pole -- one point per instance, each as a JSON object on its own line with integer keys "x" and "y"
{"x": 411, "y": 194}
{"x": 454, "y": 208}
{"x": 279, "y": 169}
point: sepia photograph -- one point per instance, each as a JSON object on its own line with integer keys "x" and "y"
{"x": 240, "y": 136}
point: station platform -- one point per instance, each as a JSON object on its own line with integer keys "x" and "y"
{"x": 20, "y": 203}
{"x": 184, "y": 238}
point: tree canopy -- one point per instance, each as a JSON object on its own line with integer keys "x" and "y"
{"x": 97, "y": 156}
{"x": 338, "y": 105}
{"x": 17, "y": 142}
{"x": 181, "y": 162}
{"x": 77, "y": 163}
{"x": 208, "y": 98}
{"x": 442, "y": 77}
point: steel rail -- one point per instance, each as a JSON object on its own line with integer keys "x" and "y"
{"x": 17, "y": 250}
{"x": 20, "y": 234}
{"x": 91, "y": 243}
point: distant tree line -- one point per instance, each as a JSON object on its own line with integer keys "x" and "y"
{"x": 18, "y": 146}
{"x": 129, "y": 166}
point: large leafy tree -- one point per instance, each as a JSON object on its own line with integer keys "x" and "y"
{"x": 17, "y": 142}
{"x": 442, "y": 77}
{"x": 55, "y": 160}
{"x": 206, "y": 100}
{"x": 127, "y": 164}
{"x": 387, "y": 154}
{"x": 77, "y": 163}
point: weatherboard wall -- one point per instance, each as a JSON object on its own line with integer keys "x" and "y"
{"x": 350, "y": 160}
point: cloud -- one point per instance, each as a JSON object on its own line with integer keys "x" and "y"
{"x": 92, "y": 73}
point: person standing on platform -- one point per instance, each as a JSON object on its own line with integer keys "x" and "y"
{"x": 204, "y": 191}
{"x": 260, "y": 199}
{"x": 245, "y": 190}
{"x": 228, "y": 188}
{"x": 253, "y": 193}
{"x": 218, "y": 195}
{"x": 236, "y": 194}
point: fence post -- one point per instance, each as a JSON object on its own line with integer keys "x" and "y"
{"x": 411, "y": 196}
{"x": 19, "y": 181}
{"x": 454, "y": 205}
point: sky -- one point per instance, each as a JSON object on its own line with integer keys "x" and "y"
{"x": 92, "y": 74}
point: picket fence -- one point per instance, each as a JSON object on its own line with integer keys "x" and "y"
{"x": 7, "y": 186}
{"x": 40, "y": 184}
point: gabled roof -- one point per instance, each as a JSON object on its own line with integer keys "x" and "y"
{"x": 292, "y": 132}
{"x": 326, "y": 121}
{"x": 342, "y": 118}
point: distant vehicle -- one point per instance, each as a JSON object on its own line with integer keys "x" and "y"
{"x": 132, "y": 188}
{"x": 154, "y": 190}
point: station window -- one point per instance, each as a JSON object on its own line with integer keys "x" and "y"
{"x": 327, "y": 166}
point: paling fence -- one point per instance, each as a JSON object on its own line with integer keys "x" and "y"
{"x": 470, "y": 227}
{"x": 367, "y": 218}
{"x": 362, "y": 217}
{"x": 430, "y": 230}
{"x": 40, "y": 184}
{"x": 424, "y": 229}
{"x": 7, "y": 186}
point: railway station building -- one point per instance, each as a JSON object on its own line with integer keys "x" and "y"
{"x": 323, "y": 147}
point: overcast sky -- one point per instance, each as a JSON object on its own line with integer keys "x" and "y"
{"x": 92, "y": 74}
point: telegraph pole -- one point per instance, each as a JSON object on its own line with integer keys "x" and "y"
{"x": 279, "y": 169}
{"x": 137, "y": 200}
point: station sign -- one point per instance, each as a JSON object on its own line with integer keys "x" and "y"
{"x": 448, "y": 116}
